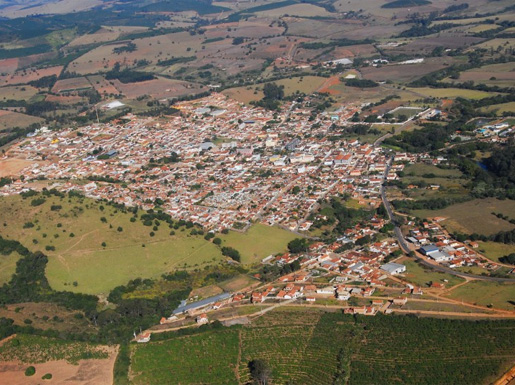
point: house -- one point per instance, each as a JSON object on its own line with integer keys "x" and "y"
{"x": 310, "y": 299}
{"x": 393, "y": 268}
{"x": 400, "y": 301}
{"x": 202, "y": 319}
{"x": 143, "y": 338}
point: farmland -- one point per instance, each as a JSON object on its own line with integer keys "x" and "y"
{"x": 421, "y": 276}
{"x": 258, "y": 242}
{"x": 495, "y": 250}
{"x": 474, "y": 216}
{"x": 452, "y": 93}
{"x": 82, "y": 259}
{"x": 323, "y": 346}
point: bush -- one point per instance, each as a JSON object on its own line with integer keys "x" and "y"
{"x": 30, "y": 371}
{"x": 47, "y": 376}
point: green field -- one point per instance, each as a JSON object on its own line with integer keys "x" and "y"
{"x": 474, "y": 216}
{"x": 495, "y": 250}
{"x": 451, "y": 93}
{"x": 500, "y": 108}
{"x": 486, "y": 293}
{"x": 37, "y": 349}
{"x": 420, "y": 276}
{"x": 8, "y": 266}
{"x": 83, "y": 259}
{"x": 258, "y": 242}
{"x": 312, "y": 347}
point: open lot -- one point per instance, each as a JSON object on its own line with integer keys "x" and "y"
{"x": 474, "y": 216}
{"x": 95, "y": 269}
{"x": 422, "y": 276}
{"x": 486, "y": 293}
{"x": 63, "y": 360}
{"x": 258, "y": 242}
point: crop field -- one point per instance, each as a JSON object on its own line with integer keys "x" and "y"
{"x": 102, "y": 86}
{"x": 258, "y": 242}
{"x": 312, "y": 347}
{"x": 71, "y": 84}
{"x": 420, "y": 276}
{"x": 208, "y": 358}
{"x": 295, "y": 10}
{"x": 81, "y": 258}
{"x": 498, "y": 295}
{"x": 496, "y": 43}
{"x": 474, "y": 216}
{"x": 402, "y": 72}
{"x": 106, "y": 33}
{"x": 495, "y": 250}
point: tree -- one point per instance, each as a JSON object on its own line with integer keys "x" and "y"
{"x": 298, "y": 245}
{"x": 231, "y": 253}
{"x": 273, "y": 92}
{"x": 259, "y": 371}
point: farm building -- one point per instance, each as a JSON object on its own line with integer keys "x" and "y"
{"x": 195, "y": 306}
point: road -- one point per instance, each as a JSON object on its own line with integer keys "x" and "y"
{"x": 404, "y": 245}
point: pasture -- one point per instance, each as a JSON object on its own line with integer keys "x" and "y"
{"x": 500, "y": 108}
{"x": 11, "y": 119}
{"x": 474, "y": 216}
{"x": 484, "y": 293}
{"x": 17, "y": 92}
{"x": 80, "y": 263}
{"x": 258, "y": 242}
{"x": 495, "y": 250}
{"x": 451, "y": 93}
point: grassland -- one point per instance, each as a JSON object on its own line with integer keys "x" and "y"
{"x": 474, "y": 216}
{"x": 451, "y": 93}
{"x": 420, "y": 276}
{"x": 8, "y": 266}
{"x": 313, "y": 347}
{"x": 495, "y": 250}
{"x": 38, "y": 349}
{"x": 258, "y": 242}
{"x": 499, "y": 295}
{"x": 500, "y": 108}
{"x": 82, "y": 259}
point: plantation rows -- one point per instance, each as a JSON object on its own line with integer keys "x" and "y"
{"x": 315, "y": 348}
{"x": 207, "y": 358}
{"x": 37, "y": 349}
{"x": 428, "y": 351}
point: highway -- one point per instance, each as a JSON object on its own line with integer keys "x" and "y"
{"x": 404, "y": 245}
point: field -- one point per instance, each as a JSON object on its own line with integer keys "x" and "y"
{"x": 47, "y": 316}
{"x": 17, "y": 92}
{"x": 305, "y": 84}
{"x": 502, "y": 75}
{"x": 27, "y": 75}
{"x": 474, "y": 216}
{"x": 451, "y": 93}
{"x": 258, "y": 242}
{"x": 10, "y": 119}
{"x": 7, "y": 266}
{"x": 495, "y": 250}
{"x": 500, "y": 108}
{"x": 71, "y": 84}
{"x": 106, "y": 33}
{"x": 420, "y": 276}
{"x": 73, "y": 363}
{"x": 95, "y": 269}
{"x": 312, "y": 347}
{"x": 499, "y": 295}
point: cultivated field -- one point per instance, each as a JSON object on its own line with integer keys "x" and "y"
{"x": 17, "y": 92}
{"x": 258, "y": 242}
{"x": 27, "y": 75}
{"x": 10, "y": 119}
{"x": 95, "y": 269}
{"x": 474, "y": 216}
{"x": 323, "y": 346}
{"x": 106, "y": 33}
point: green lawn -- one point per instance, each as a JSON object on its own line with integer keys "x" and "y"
{"x": 419, "y": 169}
{"x": 486, "y": 293}
{"x": 83, "y": 259}
{"x": 258, "y": 242}
{"x": 420, "y": 276}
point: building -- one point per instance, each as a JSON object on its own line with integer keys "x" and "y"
{"x": 195, "y": 306}
{"x": 393, "y": 268}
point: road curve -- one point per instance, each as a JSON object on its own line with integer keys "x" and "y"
{"x": 404, "y": 245}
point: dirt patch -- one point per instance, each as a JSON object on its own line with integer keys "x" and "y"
{"x": 12, "y": 167}
{"x": 28, "y": 75}
{"x": 87, "y": 372}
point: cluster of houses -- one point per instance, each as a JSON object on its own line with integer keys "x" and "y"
{"x": 217, "y": 165}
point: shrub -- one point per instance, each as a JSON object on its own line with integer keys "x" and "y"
{"x": 30, "y": 371}
{"x": 47, "y": 376}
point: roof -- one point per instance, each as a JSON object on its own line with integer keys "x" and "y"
{"x": 392, "y": 266}
{"x": 429, "y": 248}
{"x": 196, "y": 305}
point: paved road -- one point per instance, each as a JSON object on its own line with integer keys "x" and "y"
{"x": 404, "y": 245}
